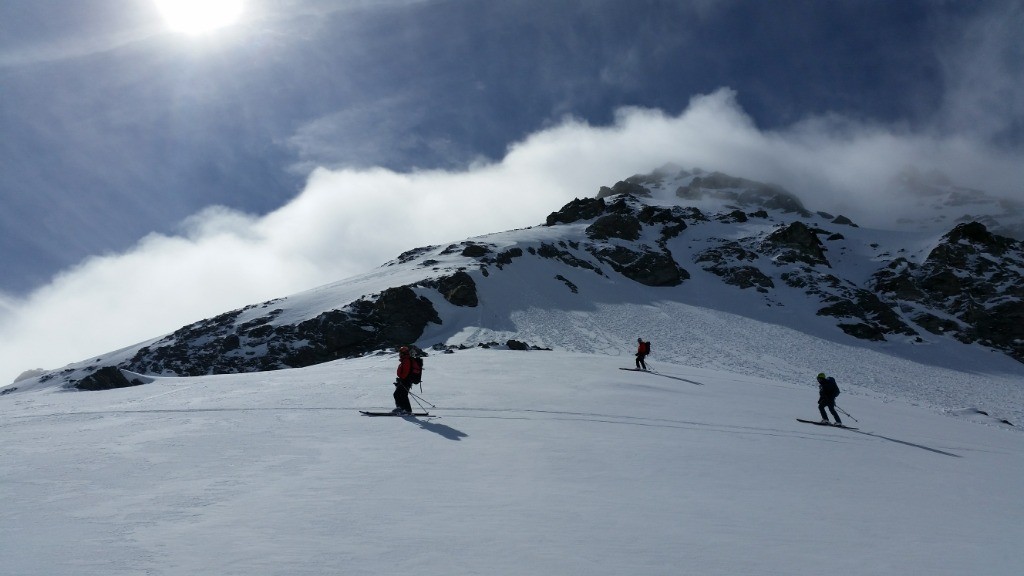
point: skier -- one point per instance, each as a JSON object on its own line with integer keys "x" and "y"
{"x": 642, "y": 350}
{"x": 827, "y": 392}
{"x": 402, "y": 384}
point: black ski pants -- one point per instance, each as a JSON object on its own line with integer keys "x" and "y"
{"x": 830, "y": 403}
{"x": 402, "y": 395}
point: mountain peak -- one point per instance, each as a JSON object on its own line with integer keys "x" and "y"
{"x": 690, "y": 237}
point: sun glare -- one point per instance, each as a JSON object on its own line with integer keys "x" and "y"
{"x": 199, "y": 16}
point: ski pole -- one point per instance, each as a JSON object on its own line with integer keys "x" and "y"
{"x": 418, "y": 404}
{"x": 428, "y": 403}
{"x": 847, "y": 414}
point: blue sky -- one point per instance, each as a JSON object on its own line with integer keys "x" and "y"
{"x": 337, "y": 127}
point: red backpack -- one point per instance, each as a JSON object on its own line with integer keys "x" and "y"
{"x": 647, "y": 348}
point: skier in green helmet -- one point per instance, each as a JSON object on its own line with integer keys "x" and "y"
{"x": 827, "y": 392}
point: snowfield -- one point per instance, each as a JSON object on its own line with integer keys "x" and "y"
{"x": 531, "y": 463}
{"x": 546, "y": 462}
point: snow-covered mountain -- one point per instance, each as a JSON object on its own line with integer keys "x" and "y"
{"x": 539, "y": 456}
{"x": 639, "y": 259}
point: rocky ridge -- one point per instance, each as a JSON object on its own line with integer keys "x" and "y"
{"x": 755, "y": 238}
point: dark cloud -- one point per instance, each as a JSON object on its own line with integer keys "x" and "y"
{"x": 114, "y": 129}
{"x": 983, "y": 65}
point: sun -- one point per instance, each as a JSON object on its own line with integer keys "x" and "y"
{"x": 199, "y": 16}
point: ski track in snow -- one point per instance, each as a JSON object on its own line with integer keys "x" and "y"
{"x": 531, "y": 463}
{"x": 704, "y": 338}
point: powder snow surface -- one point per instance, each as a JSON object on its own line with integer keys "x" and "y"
{"x": 533, "y": 463}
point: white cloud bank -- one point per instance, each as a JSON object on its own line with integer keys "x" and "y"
{"x": 347, "y": 222}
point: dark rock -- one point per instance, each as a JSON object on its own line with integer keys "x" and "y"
{"x": 459, "y": 289}
{"x": 646, "y": 267}
{"x": 401, "y": 316}
{"x": 972, "y": 232}
{"x": 726, "y": 252}
{"x": 744, "y": 277}
{"x": 106, "y": 378}
{"x": 734, "y": 216}
{"x": 628, "y": 186}
{"x": 517, "y": 345}
{"x": 672, "y": 220}
{"x": 564, "y": 256}
{"x": 578, "y": 209}
{"x": 230, "y": 342}
{"x": 796, "y": 243}
{"x": 941, "y": 284}
{"x": 260, "y": 331}
{"x": 976, "y": 277}
{"x": 411, "y": 255}
{"x": 572, "y": 287}
{"x": 877, "y": 317}
{"x": 475, "y": 250}
{"x": 896, "y": 281}
{"x": 863, "y": 331}
{"x": 1002, "y": 326}
{"x": 936, "y": 325}
{"x": 505, "y": 258}
{"x": 624, "y": 226}
{"x": 396, "y": 317}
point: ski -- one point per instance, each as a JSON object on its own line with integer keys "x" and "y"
{"x": 649, "y": 371}
{"x": 816, "y": 423}
{"x": 365, "y": 413}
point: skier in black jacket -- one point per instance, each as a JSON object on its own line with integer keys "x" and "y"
{"x": 827, "y": 392}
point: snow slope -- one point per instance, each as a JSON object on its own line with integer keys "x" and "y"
{"x": 533, "y": 463}
{"x": 540, "y": 462}
{"x": 702, "y": 323}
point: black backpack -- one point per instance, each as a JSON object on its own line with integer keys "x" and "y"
{"x": 831, "y": 388}
{"x": 647, "y": 347}
{"x": 416, "y": 370}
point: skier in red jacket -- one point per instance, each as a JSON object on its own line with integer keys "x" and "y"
{"x": 642, "y": 350}
{"x": 402, "y": 383}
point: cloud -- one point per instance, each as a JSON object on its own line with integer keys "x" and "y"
{"x": 983, "y": 69}
{"x": 347, "y": 222}
{"x": 389, "y": 127}
{"x": 72, "y": 48}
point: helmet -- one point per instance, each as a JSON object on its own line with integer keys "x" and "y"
{"x": 821, "y": 376}
{"x": 639, "y": 339}
{"x": 403, "y": 350}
